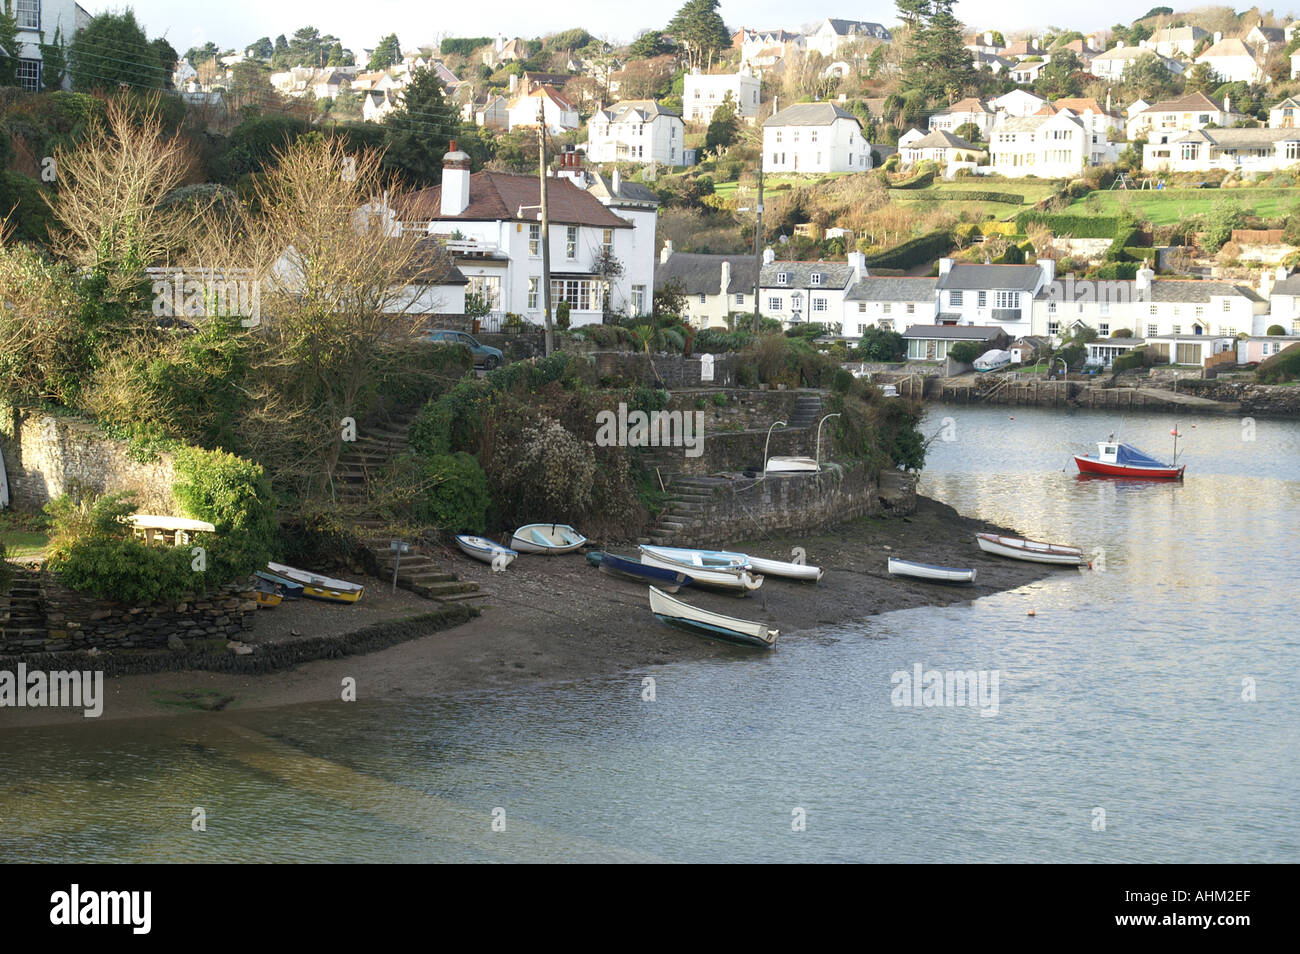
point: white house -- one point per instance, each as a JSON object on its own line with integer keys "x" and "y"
{"x": 814, "y": 137}
{"x": 1233, "y": 61}
{"x": 991, "y": 295}
{"x": 1265, "y": 40}
{"x": 637, "y": 130}
{"x": 489, "y": 221}
{"x": 1027, "y": 71}
{"x": 767, "y": 49}
{"x": 1184, "y": 114}
{"x": 1018, "y": 102}
{"x": 832, "y": 34}
{"x": 967, "y": 111}
{"x": 712, "y": 286}
{"x": 1284, "y": 114}
{"x": 1111, "y": 64}
{"x": 1284, "y": 303}
{"x": 932, "y": 342}
{"x": 795, "y": 292}
{"x": 1175, "y": 41}
{"x": 1251, "y": 150}
{"x": 638, "y": 205}
{"x": 560, "y": 115}
{"x": 942, "y": 147}
{"x": 704, "y": 92}
{"x": 889, "y": 303}
{"x": 1098, "y": 122}
{"x": 37, "y": 22}
{"x": 1050, "y": 147}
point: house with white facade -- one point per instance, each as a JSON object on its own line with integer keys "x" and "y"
{"x": 490, "y": 222}
{"x": 1284, "y": 114}
{"x": 967, "y": 111}
{"x": 702, "y": 93}
{"x": 1248, "y": 150}
{"x": 1018, "y": 102}
{"x": 1183, "y": 114}
{"x": 1264, "y": 40}
{"x": 1233, "y": 61}
{"x": 1028, "y": 71}
{"x": 942, "y": 147}
{"x": 1284, "y": 304}
{"x": 1101, "y": 126}
{"x": 37, "y": 22}
{"x": 814, "y": 137}
{"x": 1175, "y": 41}
{"x": 832, "y": 35}
{"x": 560, "y": 115}
{"x": 802, "y": 292}
{"x": 712, "y": 286}
{"x": 1111, "y": 64}
{"x": 766, "y": 50}
{"x": 991, "y": 295}
{"x": 637, "y": 130}
{"x": 638, "y": 205}
{"x": 1050, "y": 147}
{"x": 1295, "y": 65}
{"x": 997, "y": 65}
{"x": 889, "y": 303}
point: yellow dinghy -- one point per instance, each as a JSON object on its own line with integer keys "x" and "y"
{"x": 319, "y": 587}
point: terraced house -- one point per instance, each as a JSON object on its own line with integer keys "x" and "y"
{"x": 38, "y": 20}
{"x": 712, "y": 286}
{"x": 801, "y": 292}
{"x": 636, "y": 130}
{"x": 1250, "y": 150}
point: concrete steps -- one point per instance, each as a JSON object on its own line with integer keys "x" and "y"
{"x": 806, "y": 411}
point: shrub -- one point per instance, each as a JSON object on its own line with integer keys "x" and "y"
{"x": 1275, "y": 330}
{"x": 917, "y": 251}
{"x": 966, "y": 351}
{"x": 546, "y": 475}
{"x": 457, "y": 496}
{"x": 562, "y": 316}
{"x": 842, "y": 381}
{"x": 877, "y": 344}
{"x": 1122, "y": 333}
{"x": 1129, "y": 361}
{"x": 234, "y": 495}
{"x": 1076, "y": 226}
{"x": 6, "y": 571}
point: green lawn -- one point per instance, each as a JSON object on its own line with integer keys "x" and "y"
{"x": 23, "y": 543}
{"x": 1170, "y": 206}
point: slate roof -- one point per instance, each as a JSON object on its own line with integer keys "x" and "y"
{"x": 1288, "y": 286}
{"x": 893, "y": 289}
{"x": 940, "y": 139}
{"x": 834, "y": 274}
{"x": 701, "y": 274}
{"x": 809, "y": 114}
{"x": 852, "y": 27}
{"x": 602, "y": 187}
{"x": 1241, "y": 138}
{"x": 497, "y": 196}
{"x": 964, "y": 276}
{"x": 1175, "y": 290}
{"x": 633, "y": 111}
{"x": 954, "y": 332}
{"x": 1016, "y": 124}
{"x": 1190, "y": 103}
{"x": 1170, "y": 290}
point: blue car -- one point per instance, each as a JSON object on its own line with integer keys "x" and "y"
{"x": 484, "y": 356}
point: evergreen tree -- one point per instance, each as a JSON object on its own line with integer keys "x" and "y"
{"x": 913, "y": 13}
{"x": 54, "y": 60}
{"x": 167, "y": 58}
{"x": 723, "y": 127}
{"x": 388, "y": 52}
{"x": 1060, "y": 77}
{"x": 279, "y": 54}
{"x": 418, "y": 133}
{"x": 261, "y": 49}
{"x": 112, "y": 50}
{"x": 948, "y": 58}
{"x": 648, "y": 44}
{"x": 699, "y": 29}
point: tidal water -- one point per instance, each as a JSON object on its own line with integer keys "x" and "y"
{"x": 1148, "y": 712}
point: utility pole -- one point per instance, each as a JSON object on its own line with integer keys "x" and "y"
{"x": 546, "y": 226}
{"x": 758, "y": 248}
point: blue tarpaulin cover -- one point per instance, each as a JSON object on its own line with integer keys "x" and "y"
{"x": 1130, "y": 455}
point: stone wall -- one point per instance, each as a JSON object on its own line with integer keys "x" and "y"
{"x": 1267, "y": 400}
{"x": 673, "y": 370}
{"x": 47, "y": 456}
{"x": 737, "y": 451}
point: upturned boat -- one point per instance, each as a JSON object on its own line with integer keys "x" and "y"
{"x": 1034, "y": 551}
{"x": 549, "y": 538}
{"x": 319, "y": 587}
{"x": 792, "y": 465}
{"x": 488, "y": 551}
{"x": 1117, "y": 459}
{"x": 714, "y": 625}
{"x": 791, "y": 571}
{"x": 668, "y": 580}
{"x": 929, "y": 571}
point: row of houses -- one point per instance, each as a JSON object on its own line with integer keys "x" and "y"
{"x": 772, "y": 51}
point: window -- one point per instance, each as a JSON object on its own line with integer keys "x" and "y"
{"x": 1008, "y": 299}
{"x": 704, "y": 299}
{"x": 534, "y": 240}
{"x": 1152, "y": 331}
{"x": 1227, "y": 305}
{"x": 1154, "y": 310}
{"x": 886, "y": 324}
{"x": 1104, "y": 329}
{"x": 582, "y": 294}
{"x": 1293, "y": 150}
{"x": 862, "y": 307}
{"x": 1188, "y": 151}
{"x": 638, "y": 299}
{"x": 28, "y": 14}
{"x": 607, "y": 241}
{"x": 774, "y": 304}
{"x": 813, "y": 135}
{"x": 816, "y": 278}
{"x": 740, "y": 301}
{"x": 782, "y": 278}
{"x": 29, "y": 75}
{"x": 794, "y": 136}
{"x": 819, "y": 304}
{"x": 1176, "y": 329}
{"x": 534, "y": 291}
{"x": 571, "y": 242}
{"x": 1053, "y": 328}
{"x": 1103, "y": 308}
{"x": 911, "y": 309}
{"x": 778, "y": 135}
{"x": 954, "y": 299}
{"x": 981, "y": 299}
{"x": 1051, "y": 307}
{"x": 886, "y": 308}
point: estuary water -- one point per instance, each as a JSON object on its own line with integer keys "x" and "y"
{"x": 1149, "y": 711}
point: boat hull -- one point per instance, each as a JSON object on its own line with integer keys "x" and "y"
{"x": 733, "y": 579}
{"x": 670, "y": 581}
{"x": 1090, "y": 465}
{"x": 705, "y": 623}
{"x": 286, "y": 587}
{"x": 485, "y": 550}
{"x": 930, "y": 572}
{"x": 547, "y": 538}
{"x": 1032, "y": 551}
{"x": 791, "y": 571}
{"x": 686, "y": 556}
{"x": 317, "y": 587}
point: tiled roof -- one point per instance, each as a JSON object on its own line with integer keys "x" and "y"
{"x": 809, "y": 114}
{"x": 963, "y": 276}
{"x": 1192, "y": 102}
{"x": 497, "y": 196}
{"x": 893, "y": 289}
{"x": 951, "y": 332}
{"x": 1231, "y": 46}
{"x": 799, "y": 274}
{"x": 700, "y": 274}
{"x": 968, "y": 105}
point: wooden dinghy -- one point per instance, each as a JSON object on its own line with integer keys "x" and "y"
{"x": 179, "y": 529}
{"x": 549, "y": 538}
{"x": 714, "y": 625}
{"x": 791, "y": 571}
{"x": 1034, "y": 551}
{"x": 928, "y": 571}
{"x": 488, "y": 551}
{"x": 668, "y": 580}
{"x": 267, "y": 598}
{"x": 733, "y": 577}
{"x": 286, "y": 587}
{"x": 317, "y": 587}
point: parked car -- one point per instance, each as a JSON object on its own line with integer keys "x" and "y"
{"x": 485, "y": 356}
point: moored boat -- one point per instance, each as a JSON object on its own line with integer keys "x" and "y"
{"x": 319, "y": 587}
{"x": 929, "y": 571}
{"x": 668, "y": 580}
{"x": 733, "y": 577}
{"x": 694, "y": 557}
{"x": 792, "y": 571}
{"x": 488, "y": 551}
{"x": 550, "y": 538}
{"x": 1117, "y": 459}
{"x": 1035, "y": 551}
{"x": 685, "y": 616}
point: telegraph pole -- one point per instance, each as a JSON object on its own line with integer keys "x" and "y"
{"x": 546, "y": 226}
{"x": 758, "y": 248}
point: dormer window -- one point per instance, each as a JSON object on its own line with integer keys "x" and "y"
{"x": 816, "y": 278}
{"x": 782, "y": 278}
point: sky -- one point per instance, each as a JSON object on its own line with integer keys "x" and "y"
{"x": 237, "y": 23}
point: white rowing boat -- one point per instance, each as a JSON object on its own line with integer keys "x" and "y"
{"x": 1034, "y": 551}
{"x": 928, "y": 571}
{"x": 489, "y": 551}
{"x": 793, "y": 571}
{"x": 551, "y": 538}
{"x": 676, "y": 613}
{"x": 734, "y": 578}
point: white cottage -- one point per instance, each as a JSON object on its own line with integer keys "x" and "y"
{"x": 638, "y": 130}
{"x": 814, "y": 137}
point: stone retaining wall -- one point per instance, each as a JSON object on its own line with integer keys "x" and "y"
{"x": 673, "y": 370}
{"x": 1267, "y": 400}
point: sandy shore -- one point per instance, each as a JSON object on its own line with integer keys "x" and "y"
{"x": 556, "y": 619}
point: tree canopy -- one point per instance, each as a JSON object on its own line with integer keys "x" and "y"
{"x": 699, "y": 29}
{"x": 388, "y": 52}
{"x": 419, "y": 132}
{"x": 112, "y": 51}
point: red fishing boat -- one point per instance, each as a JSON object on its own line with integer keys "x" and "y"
{"x": 1117, "y": 459}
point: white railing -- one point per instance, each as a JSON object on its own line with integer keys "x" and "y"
{"x": 471, "y": 247}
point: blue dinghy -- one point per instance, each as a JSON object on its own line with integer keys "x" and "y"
{"x": 613, "y": 564}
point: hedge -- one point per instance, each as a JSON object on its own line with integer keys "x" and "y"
{"x": 1128, "y": 361}
{"x": 1001, "y": 228}
{"x": 918, "y": 251}
{"x": 1075, "y": 226}
{"x": 1141, "y": 254}
{"x": 916, "y": 182}
{"x": 974, "y": 195}
{"x": 1118, "y": 271}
